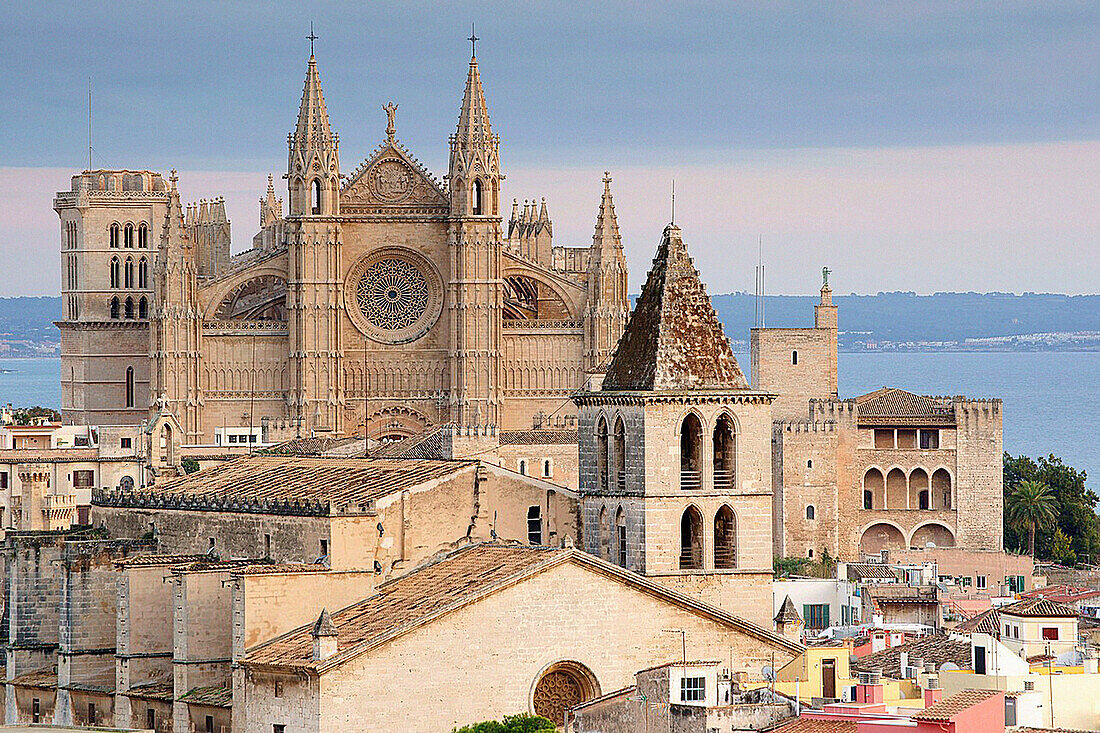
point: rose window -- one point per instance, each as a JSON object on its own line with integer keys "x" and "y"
{"x": 392, "y": 294}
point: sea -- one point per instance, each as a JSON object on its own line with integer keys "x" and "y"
{"x": 1051, "y": 398}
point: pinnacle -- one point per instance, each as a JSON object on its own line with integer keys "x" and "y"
{"x": 606, "y": 238}
{"x": 313, "y": 124}
{"x": 473, "y": 118}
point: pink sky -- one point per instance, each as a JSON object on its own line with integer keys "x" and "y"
{"x": 1001, "y": 217}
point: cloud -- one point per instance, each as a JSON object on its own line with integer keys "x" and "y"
{"x": 996, "y": 217}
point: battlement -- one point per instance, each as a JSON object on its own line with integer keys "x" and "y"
{"x": 119, "y": 181}
{"x": 803, "y": 426}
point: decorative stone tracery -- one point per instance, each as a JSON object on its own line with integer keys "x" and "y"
{"x": 394, "y": 296}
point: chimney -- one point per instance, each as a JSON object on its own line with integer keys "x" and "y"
{"x": 932, "y": 692}
{"x": 324, "y": 637}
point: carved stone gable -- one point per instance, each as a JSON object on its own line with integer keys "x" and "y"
{"x": 392, "y": 182}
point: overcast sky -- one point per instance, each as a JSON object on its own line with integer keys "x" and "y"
{"x": 908, "y": 145}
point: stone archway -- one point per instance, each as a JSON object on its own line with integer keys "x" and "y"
{"x": 562, "y": 686}
{"x": 879, "y": 537}
{"x": 932, "y": 534}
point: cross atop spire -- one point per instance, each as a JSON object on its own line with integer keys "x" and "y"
{"x": 312, "y": 37}
{"x": 473, "y": 39}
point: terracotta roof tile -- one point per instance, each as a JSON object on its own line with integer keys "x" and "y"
{"x": 308, "y": 446}
{"x": 538, "y": 437}
{"x": 674, "y": 340}
{"x": 947, "y": 708}
{"x": 938, "y": 649}
{"x": 45, "y": 678}
{"x": 428, "y": 444}
{"x": 1039, "y": 607}
{"x": 986, "y": 622}
{"x": 811, "y": 725}
{"x": 272, "y": 479}
{"x": 870, "y": 570}
{"x": 152, "y": 691}
{"x": 891, "y": 406}
{"x": 214, "y": 696}
{"x": 140, "y": 561}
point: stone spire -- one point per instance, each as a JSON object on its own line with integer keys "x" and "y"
{"x": 674, "y": 340}
{"x": 608, "y": 305}
{"x": 271, "y": 208}
{"x": 313, "y": 165}
{"x": 473, "y": 117}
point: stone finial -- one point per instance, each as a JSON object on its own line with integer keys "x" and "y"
{"x": 325, "y": 636}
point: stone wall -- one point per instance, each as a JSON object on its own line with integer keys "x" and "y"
{"x": 980, "y": 477}
{"x": 805, "y": 464}
{"x": 774, "y": 370}
{"x": 521, "y": 631}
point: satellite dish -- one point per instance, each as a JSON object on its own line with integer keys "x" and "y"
{"x": 768, "y": 672}
{"x": 949, "y": 667}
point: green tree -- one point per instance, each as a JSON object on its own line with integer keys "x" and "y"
{"x": 1074, "y": 507}
{"x": 510, "y": 724}
{"x": 1061, "y": 550}
{"x": 1031, "y": 505}
{"x": 190, "y": 465}
{"x": 784, "y": 566}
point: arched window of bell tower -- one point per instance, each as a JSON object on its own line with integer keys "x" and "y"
{"x": 477, "y": 198}
{"x": 601, "y": 454}
{"x": 315, "y": 196}
{"x": 725, "y": 453}
{"x": 691, "y": 539}
{"x": 620, "y": 455}
{"x": 691, "y": 452}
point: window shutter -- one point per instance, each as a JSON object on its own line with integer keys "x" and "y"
{"x": 825, "y": 616}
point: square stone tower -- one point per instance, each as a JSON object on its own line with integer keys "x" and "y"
{"x": 675, "y": 449}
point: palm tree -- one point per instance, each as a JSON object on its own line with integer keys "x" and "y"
{"x": 1032, "y": 505}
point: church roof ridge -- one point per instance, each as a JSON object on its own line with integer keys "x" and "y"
{"x": 674, "y": 340}
{"x": 452, "y": 581}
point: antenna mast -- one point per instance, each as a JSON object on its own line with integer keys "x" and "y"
{"x": 89, "y": 123}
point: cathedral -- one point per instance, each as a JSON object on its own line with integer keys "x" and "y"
{"x": 380, "y": 302}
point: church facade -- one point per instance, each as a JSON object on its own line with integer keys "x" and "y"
{"x": 382, "y": 301}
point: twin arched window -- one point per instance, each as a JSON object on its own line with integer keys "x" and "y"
{"x": 725, "y": 539}
{"x": 143, "y": 273}
{"x": 128, "y": 236}
{"x": 113, "y": 236}
{"x": 129, "y": 309}
{"x": 143, "y": 236}
{"x": 610, "y": 457}
{"x": 724, "y": 446}
{"x": 116, "y": 272}
{"x": 129, "y": 272}
{"x": 115, "y": 308}
{"x": 143, "y": 308}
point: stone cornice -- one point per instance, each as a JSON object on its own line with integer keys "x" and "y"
{"x": 125, "y": 325}
{"x": 685, "y": 397}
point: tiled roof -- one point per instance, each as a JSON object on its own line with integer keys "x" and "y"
{"x": 1062, "y": 593}
{"x": 674, "y": 340}
{"x": 214, "y": 696}
{"x": 788, "y": 614}
{"x": 986, "y": 622}
{"x": 266, "y": 478}
{"x": 870, "y": 570}
{"x": 1039, "y": 607}
{"x": 45, "y": 678}
{"x": 140, "y": 561}
{"x": 538, "y": 437}
{"x": 444, "y": 585}
{"x": 890, "y": 406}
{"x": 308, "y": 446}
{"x": 280, "y": 568}
{"x": 938, "y": 649}
{"x": 810, "y": 725}
{"x": 428, "y": 444}
{"x": 152, "y": 691}
{"x": 947, "y": 708}
{"x": 55, "y": 455}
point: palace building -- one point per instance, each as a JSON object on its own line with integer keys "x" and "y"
{"x": 380, "y": 302}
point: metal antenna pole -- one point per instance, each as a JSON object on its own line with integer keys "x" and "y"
{"x": 89, "y": 123}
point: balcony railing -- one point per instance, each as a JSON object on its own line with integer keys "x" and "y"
{"x": 620, "y": 480}
{"x": 723, "y": 479}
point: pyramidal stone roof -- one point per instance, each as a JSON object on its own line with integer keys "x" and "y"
{"x": 788, "y": 614}
{"x": 674, "y": 340}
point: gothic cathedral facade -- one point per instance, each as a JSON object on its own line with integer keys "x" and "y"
{"x": 383, "y": 301}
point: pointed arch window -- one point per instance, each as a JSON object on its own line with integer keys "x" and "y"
{"x": 114, "y": 235}
{"x": 128, "y": 236}
{"x": 725, "y": 453}
{"x": 114, "y": 308}
{"x": 143, "y": 308}
{"x": 725, "y": 539}
{"x": 116, "y": 272}
{"x": 691, "y": 539}
{"x": 476, "y": 196}
{"x": 143, "y": 236}
{"x": 129, "y": 272}
{"x": 620, "y": 536}
{"x": 620, "y": 454}
{"x": 601, "y": 454}
{"x": 315, "y": 196}
{"x": 129, "y": 386}
{"x": 130, "y": 308}
{"x": 143, "y": 273}
{"x": 691, "y": 452}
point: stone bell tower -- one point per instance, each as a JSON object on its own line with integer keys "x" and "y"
{"x": 675, "y": 449}
{"x": 314, "y": 300}
{"x": 475, "y": 241}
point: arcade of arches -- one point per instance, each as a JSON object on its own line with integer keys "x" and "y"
{"x": 896, "y": 490}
